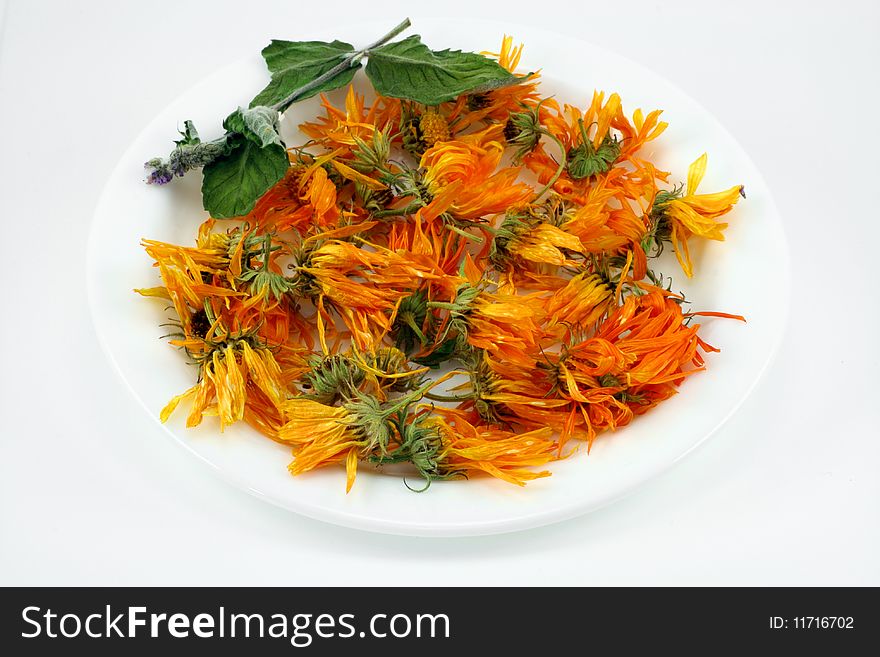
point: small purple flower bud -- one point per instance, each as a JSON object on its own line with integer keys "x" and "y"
{"x": 158, "y": 172}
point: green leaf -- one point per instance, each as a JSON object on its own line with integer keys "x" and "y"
{"x": 295, "y": 63}
{"x": 408, "y": 69}
{"x": 259, "y": 124}
{"x": 233, "y": 182}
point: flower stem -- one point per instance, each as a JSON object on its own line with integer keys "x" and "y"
{"x": 344, "y": 65}
{"x": 466, "y": 235}
{"x": 445, "y": 305}
{"x": 397, "y": 212}
{"x": 584, "y": 138}
{"x": 449, "y": 398}
{"x": 559, "y": 171}
{"x": 267, "y": 251}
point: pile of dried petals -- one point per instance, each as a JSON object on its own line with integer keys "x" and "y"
{"x": 402, "y": 239}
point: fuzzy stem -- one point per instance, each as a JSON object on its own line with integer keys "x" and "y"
{"x": 397, "y": 212}
{"x": 467, "y": 235}
{"x": 559, "y": 171}
{"x": 449, "y": 398}
{"x": 442, "y": 304}
{"x": 584, "y": 138}
{"x": 344, "y": 65}
{"x": 267, "y": 251}
{"x": 406, "y": 400}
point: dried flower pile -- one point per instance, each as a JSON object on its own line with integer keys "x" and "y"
{"x": 402, "y": 238}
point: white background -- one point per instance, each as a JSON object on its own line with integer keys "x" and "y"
{"x": 92, "y": 491}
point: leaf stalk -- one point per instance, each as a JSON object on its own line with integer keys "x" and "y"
{"x": 347, "y": 63}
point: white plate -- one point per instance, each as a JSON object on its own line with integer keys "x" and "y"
{"x": 748, "y": 274}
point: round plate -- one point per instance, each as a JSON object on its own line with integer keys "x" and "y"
{"x": 747, "y": 274}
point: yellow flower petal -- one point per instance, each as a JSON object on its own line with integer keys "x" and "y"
{"x": 351, "y": 464}
{"x": 696, "y": 171}
{"x": 170, "y": 406}
{"x": 347, "y": 172}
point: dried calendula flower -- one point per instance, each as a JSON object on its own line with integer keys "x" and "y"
{"x": 362, "y": 426}
{"x": 679, "y": 215}
{"x": 466, "y": 180}
{"x": 523, "y": 131}
{"x": 583, "y": 300}
{"x": 227, "y": 367}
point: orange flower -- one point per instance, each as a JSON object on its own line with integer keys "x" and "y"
{"x": 305, "y": 196}
{"x": 464, "y": 179}
{"x": 583, "y": 301}
{"x": 365, "y": 286}
{"x": 192, "y": 275}
{"x": 598, "y": 225}
{"x": 444, "y": 248}
{"x": 566, "y": 124}
{"x": 502, "y": 454}
{"x": 637, "y": 133}
{"x": 342, "y": 128}
{"x": 544, "y": 244}
{"x": 594, "y": 151}
{"x": 695, "y": 214}
{"x": 361, "y": 427}
{"x": 225, "y": 376}
{"x": 637, "y": 358}
{"x": 504, "y": 324}
{"x": 323, "y": 435}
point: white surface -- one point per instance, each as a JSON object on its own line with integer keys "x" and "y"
{"x": 786, "y": 493}
{"x": 128, "y": 326}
